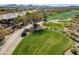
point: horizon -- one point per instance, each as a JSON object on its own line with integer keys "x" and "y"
{"x": 39, "y": 2}
{"x": 43, "y": 4}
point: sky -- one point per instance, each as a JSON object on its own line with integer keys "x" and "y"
{"x": 39, "y": 1}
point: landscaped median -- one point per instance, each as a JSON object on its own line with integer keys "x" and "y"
{"x": 43, "y": 42}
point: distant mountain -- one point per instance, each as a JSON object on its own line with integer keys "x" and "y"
{"x": 8, "y": 5}
{"x": 74, "y": 6}
{"x": 11, "y": 5}
{"x": 25, "y": 6}
{"x": 39, "y": 6}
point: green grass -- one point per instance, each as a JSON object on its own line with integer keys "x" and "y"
{"x": 63, "y": 15}
{"x": 54, "y": 25}
{"x": 43, "y": 42}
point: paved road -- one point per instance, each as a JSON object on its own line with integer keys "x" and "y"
{"x": 12, "y": 42}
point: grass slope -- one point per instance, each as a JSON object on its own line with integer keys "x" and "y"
{"x": 43, "y": 42}
{"x": 54, "y": 25}
{"x": 63, "y": 15}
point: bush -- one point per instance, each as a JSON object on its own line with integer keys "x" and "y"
{"x": 4, "y": 32}
{"x": 1, "y": 38}
{"x": 74, "y": 51}
{"x": 55, "y": 28}
{"x": 77, "y": 46}
{"x": 23, "y": 34}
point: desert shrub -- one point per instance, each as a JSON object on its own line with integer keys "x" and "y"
{"x": 5, "y": 32}
{"x": 23, "y": 34}
{"x": 74, "y": 51}
{"x": 1, "y": 38}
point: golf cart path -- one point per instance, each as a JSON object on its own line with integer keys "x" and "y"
{"x": 12, "y": 42}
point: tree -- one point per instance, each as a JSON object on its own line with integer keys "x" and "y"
{"x": 36, "y": 17}
{"x": 45, "y": 15}
{"x": 32, "y": 17}
{"x": 17, "y": 20}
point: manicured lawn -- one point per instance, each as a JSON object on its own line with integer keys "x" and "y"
{"x": 63, "y": 15}
{"x": 54, "y": 25}
{"x": 43, "y": 42}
